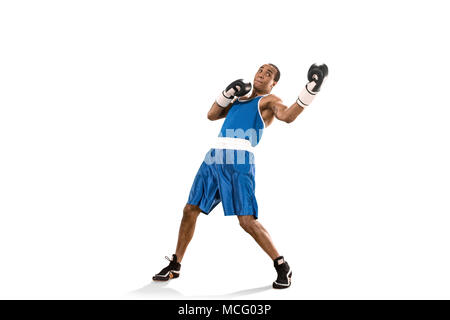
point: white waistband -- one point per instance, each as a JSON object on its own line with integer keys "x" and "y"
{"x": 233, "y": 143}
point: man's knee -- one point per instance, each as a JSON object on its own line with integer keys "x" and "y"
{"x": 247, "y": 222}
{"x": 191, "y": 212}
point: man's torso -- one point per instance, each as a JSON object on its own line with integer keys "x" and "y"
{"x": 265, "y": 109}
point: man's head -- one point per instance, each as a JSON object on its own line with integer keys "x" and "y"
{"x": 266, "y": 77}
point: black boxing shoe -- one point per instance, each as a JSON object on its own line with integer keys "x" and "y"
{"x": 170, "y": 272}
{"x": 284, "y": 274}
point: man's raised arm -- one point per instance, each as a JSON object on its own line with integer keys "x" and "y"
{"x": 283, "y": 113}
{"x": 316, "y": 76}
{"x": 225, "y": 100}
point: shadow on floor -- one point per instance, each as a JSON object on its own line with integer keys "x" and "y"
{"x": 160, "y": 289}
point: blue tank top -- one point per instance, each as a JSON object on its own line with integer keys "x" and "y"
{"x": 244, "y": 121}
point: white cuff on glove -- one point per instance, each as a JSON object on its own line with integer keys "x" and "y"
{"x": 307, "y": 95}
{"x": 225, "y": 98}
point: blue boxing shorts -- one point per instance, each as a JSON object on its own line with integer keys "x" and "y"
{"x": 226, "y": 176}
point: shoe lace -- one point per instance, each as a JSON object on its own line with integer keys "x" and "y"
{"x": 169, "y": 259}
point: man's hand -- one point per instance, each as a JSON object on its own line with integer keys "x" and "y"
{"x": 237, "y": 88}
{"x": 316, "y": 75}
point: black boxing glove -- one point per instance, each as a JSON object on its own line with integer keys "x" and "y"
{"x": 237, "y": 88}
{"x": 317, "y": 73}
{"x": 316, "y": 76}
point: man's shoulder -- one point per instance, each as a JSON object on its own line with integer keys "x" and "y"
{"x": 268, "y": 100}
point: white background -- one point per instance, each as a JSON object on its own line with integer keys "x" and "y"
{"x": 103, "y": 126}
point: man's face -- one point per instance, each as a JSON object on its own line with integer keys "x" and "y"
{"x": 264, "y": 78}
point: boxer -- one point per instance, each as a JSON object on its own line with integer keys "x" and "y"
{"x": 227, "y": 174}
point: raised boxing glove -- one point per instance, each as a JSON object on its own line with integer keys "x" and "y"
{"x": 237, "y": 88}
{"x": 316, "y": 75}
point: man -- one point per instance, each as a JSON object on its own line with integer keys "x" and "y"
{"x": 227, "y": 173}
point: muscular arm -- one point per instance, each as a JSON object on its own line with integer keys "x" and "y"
{"x": 282, "y": 112}
{"x": 216, "y": 112}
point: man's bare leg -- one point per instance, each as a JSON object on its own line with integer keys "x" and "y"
{"x": 187, "y": 228}
{"x": 257, "y": 231}
{"x": 262, "y": 237}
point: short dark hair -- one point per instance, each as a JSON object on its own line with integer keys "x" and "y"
{"x": 277, "y": 75}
